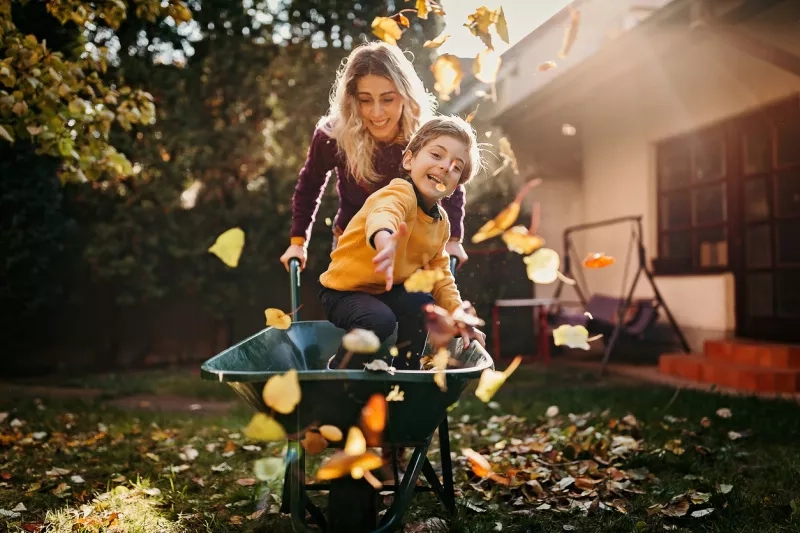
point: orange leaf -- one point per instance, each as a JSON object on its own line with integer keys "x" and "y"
{"x": 438, "y": 41}
{"x": 402, "y": 20}
{"x": 314, "y": 443}
{"x": 506, "y": 217}
{"x": 230, "y": 446}
{"x": 471, "y": 116}
{"x": 598, "y": 261}
{"x": 547, "y": 65}
{"x": 518, "y": 239}
{"x": 448, "y": 75}
{"x": 373, "y": 415}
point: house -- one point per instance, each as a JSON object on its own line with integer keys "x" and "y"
{"x": 686, "y": 112}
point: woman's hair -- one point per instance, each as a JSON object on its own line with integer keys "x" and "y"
{"x": 343, "y": 121}
{"x": 459, "y": 129}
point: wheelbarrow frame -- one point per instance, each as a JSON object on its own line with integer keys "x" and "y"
{"x": 352, "y": 506}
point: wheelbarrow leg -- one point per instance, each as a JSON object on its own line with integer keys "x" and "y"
{"x": 295, "y": 499}
{"x": 392, "y": 520}
{"x": 448, "y": 492}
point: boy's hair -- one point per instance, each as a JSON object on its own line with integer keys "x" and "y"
{"x": 455, "y": 127}
{"x": 343, "y": 121}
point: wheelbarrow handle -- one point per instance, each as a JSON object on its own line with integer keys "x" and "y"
{"x": 294, "y": 278}
{"x": 453, "y": 265}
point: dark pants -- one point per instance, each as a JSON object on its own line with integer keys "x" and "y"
{"x": 379, "y": 314}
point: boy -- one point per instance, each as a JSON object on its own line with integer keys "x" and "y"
{"x": 400, "y": 229}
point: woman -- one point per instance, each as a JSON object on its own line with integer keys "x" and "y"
{"x": 378, "y": 101}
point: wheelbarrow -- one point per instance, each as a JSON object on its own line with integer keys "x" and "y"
{"x": 337, "y": 397}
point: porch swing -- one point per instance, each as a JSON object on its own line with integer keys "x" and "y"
{"x": 605, "y": 314}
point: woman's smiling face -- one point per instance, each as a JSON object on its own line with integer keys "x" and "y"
{"x": 380, "y": 106}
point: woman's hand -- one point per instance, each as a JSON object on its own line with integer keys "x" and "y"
{"x": 295, "y": 250}
{"x": 454, "y": 249}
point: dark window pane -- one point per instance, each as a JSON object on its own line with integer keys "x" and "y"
{"x": 788, "y": 293}
{"x": 710, "y": 205}
{"x": 674, "y": 165}
{"x": 676, "y": 210}
{"x": 788, "y": 242}
{"x": 756, "y": 199}
{"x": 757, "y": 145}
{"x": 677, "y": 245}
{"x": 788, "y": 130}
{"x": 712, "y": 247}
{"x": 759, "y": 294}
{"x": 709, "y": 158}
{"x": 789, "y": 193}
{"x": 758, "y": 249}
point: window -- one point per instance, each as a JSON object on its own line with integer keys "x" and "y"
{"x": 693, "y": 188}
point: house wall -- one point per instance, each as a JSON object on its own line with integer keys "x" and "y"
{"x": 704, "y": 82}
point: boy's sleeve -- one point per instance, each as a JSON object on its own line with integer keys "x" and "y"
{"x": 389, "y": 208}
{"x": 445, "y": 293}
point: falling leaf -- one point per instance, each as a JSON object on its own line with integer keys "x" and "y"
{"x": 543, "y": 265}
{"x": 598, "y": 260}
{"x": 571, "y": 336}
{"x": 395, "y": 395}
{"x": 506, "y": 218}
{"x": 373, "y": 414}
{"x": 547, "y": 65}
{"x": 282, "y": 392}
{"x": 361, "y": 341}
{"x": 440, "y": 360}
{"x": 314, "y": 443}
{"x": 342, "y": 464}
{"x": 265, "y": 428}
{"x": 423, "y": 9}
{"x": 471, "y": 116}
{"x": 501, "y": 25}
{"x": 331, "y": 433}
{"x": 447, "y": 74}
{"x": 228, "y": 247}
{"x": 479, "y": 23}
{"x": 269, "y": 468}
{"x": 486, "y": 65}
{"x": 402, "y": 20}
{"x": 438, "y": 41}
{"x": 571, "y": 32}
{"x": 356, "y": 444}
{"x": 277, "y": 318}
{"x": 423, "y": 280}
{"x": 386, "y": 29}
{"x": 519, "y": 239}
{"x": 492, "y": 380}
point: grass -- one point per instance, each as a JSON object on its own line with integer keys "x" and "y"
{"x": 123, "y": 459}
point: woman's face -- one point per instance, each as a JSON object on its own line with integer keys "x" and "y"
{"x": 380, "y": 105}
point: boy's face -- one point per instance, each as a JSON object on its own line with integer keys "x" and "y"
{"x": 436, "y": 168}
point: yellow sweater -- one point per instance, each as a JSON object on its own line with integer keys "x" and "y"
{"x": 351, "y": 267}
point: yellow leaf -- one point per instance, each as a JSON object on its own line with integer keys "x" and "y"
{"x": 282, "y": 392}
{"x": 438, "y": 41}
{"x": 486, "y": 65}
{"x": 356, "y": 444}
{"x": 571, "y": 336}
{"x": 519, "y": 240}
{"x": 480, "y": 22}
{"x": 265, "y": 428}
{"x": 228, "y": 246}
{"x": 440, "y": 360}
{"x": 386, "y": 29}
{"x": 277, "y": 318}
{"x": 491, "y": 380}
{"x": 342, "y": 464}
{"x": 361, "y": 341}
{"x": 542, "y": 265}
{"x": 501, "y": 26}
{"x": 423, "y": 9}
{"x": 423, "y": 280}
{"x": 331, "y": 433}
{"x": 448, "y": 75}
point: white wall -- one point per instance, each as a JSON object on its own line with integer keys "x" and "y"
{"x": 704, "y": 81}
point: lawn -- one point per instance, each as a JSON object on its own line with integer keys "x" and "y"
{"x": 616, "y": 457}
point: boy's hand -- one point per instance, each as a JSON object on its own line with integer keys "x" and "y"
{"x": 473, "y": 334}
{"x": 386, "y": 246}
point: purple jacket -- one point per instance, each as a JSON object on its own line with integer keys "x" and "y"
{"x": 323, "y": 156}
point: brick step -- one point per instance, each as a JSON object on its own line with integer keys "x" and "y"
{"x": 754, "y": 353}
{"x": 750, "y": 378}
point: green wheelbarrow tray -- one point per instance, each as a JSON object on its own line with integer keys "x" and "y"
{"x": 337, "y": 397}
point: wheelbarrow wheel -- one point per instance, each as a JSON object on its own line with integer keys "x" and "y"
{"x": 352, "y": 506}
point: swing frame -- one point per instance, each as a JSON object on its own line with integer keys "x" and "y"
{"x": 635, "y": 221}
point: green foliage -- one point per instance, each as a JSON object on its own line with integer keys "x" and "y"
{"x": 58, "y": 99}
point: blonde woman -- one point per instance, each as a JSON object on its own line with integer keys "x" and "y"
{"x": 377, "y": 103}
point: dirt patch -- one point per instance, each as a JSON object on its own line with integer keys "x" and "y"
{"x": 171, "y": 404}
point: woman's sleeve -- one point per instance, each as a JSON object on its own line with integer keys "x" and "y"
{"x": 454, "y": 207}
{"x": 320, "y": 160}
